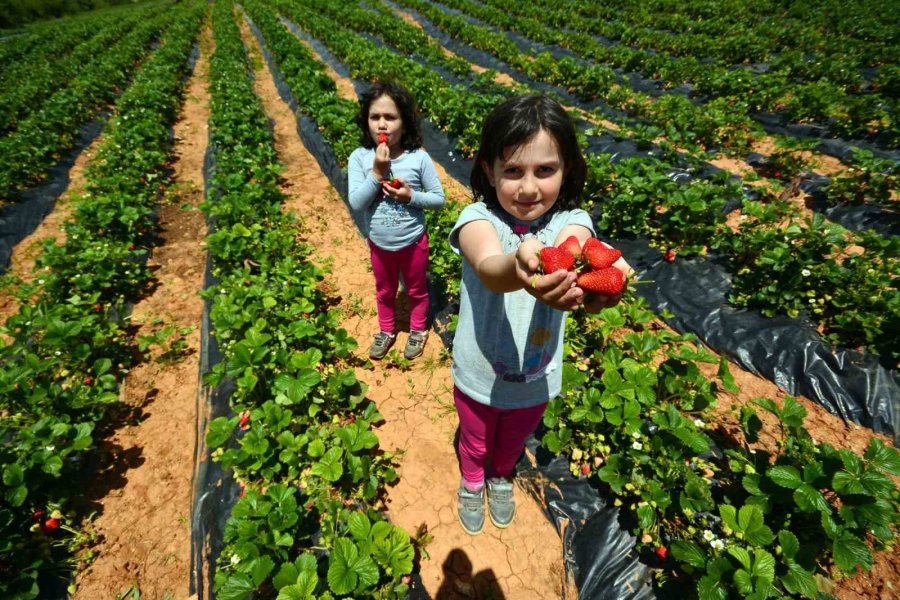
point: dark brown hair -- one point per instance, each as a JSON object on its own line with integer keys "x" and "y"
{"x": 514, "y": 122}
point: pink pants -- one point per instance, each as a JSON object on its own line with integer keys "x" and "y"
{"x": 387, "y": 265}
{"x": 495, "y": 435}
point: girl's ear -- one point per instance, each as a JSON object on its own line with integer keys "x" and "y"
{"x": 488, "y": 170}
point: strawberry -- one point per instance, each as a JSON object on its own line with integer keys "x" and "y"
{"x": 49, "y": 525}
{"x": 585, "y": 469}
{"x": 598, "y": 255}
{"x": 244, "y": 423}
{"x": 382, "y": 137}
{"x": 669, "y": 256}
{"x": 37, "y": 515}
{"x": 554, "y": 259}
{"x": 571, "y": 245}
{"x": 395, "y": 182}
{"x": 661, "y": 552}
{"x": 88, "y": 381}
{"x": 608, "y": 281}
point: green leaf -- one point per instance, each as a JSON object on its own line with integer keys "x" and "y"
{"x": 316, "y": 448}
{"x": 786, "y": 477}
{"x": 220, "y": 431}
{"x": 646, "y": 516}
{"x": 763, "y": 566}
{"x": 729, "y": 516}
{"x": 726, "y": 377}
{"x": 395, "y": 552}
{"x": 809, "y": 499}
{"x": 688, "y": 552}
{"x": 342, "y": 578}
{"x": 742, "y": 556}
{"x": 260, "y": 568}
{"x": 790, "y": 545}
{"x": 711, "y": 588}
{"x": 850, "y": 552}
{"x": 330, "y": 467}
{"x": 359, "y": 526}
{"x": 13, "y": 475}
{"x": 883, "y": 457}
{"x": 236, "y": 587}
{"x": 287, "y": 575}
{"x": 752, "y": 523}
{"x": 743, "y": 582}
{"x": 800, "y": 582}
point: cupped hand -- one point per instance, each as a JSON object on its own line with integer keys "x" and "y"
{"x": 557, "y": 290}
{"x": 401, "y": 193}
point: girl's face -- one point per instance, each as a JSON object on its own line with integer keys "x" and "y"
{"x": 385, "y": 117}
{"x": 527, "y": 178}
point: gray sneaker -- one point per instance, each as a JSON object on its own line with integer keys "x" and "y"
{"x": 470, "y": 508}
{"x": 381, "y": 344}
{"x": 415, "y": 345}
{"x": 501, "y": 501}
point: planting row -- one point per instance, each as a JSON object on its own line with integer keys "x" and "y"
{"x": 39, "y": 139}
{"x": 70, "y": 345}
{"x": 308, "y": 523}
{"x": 823, "y": 101}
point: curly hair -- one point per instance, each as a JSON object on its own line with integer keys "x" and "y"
{"x": 406, "y": 104}
{"x": 514, "y": 122}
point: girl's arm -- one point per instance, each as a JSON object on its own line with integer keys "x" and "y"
{"x": 501, "y": 273}
{"x": 362, "y": 188}
{"x": 432, "y": 193}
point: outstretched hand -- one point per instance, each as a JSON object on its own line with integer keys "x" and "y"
{"x": 557, "y": 290}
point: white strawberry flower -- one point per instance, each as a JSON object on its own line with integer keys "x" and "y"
{"x": 637, "y": 446}
{"x": 717, "y": 544}
{"x": 708, "y": 535}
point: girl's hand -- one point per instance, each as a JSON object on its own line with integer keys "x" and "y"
{"x": 556, "y": 290}
{"x": 382, "y": 163}
{"x": 402, "y": 193}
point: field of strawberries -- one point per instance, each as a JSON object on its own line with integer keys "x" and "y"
{"x": 744, "y": 157}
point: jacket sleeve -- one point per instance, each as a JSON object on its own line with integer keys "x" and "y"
{"x": 362, "y": 188}
{"x": 432, "y": 193}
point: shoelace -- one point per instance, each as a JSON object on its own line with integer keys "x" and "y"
{"x": 473, "y": 502}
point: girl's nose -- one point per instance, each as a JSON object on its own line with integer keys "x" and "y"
{"x": 528, "y": 186}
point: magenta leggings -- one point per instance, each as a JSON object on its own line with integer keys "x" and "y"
{"x": 491, "y": 435}
{"x": 387, "y": 265}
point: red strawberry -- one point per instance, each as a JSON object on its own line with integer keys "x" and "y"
{"x": 661, "y": 552}
{"x": 244, "y": 423}
{"x": 598, "y": 255}
{"x": 554, "y": 259}
{"x": 669, "y": 256}
{"x": 382, "y": 137}
{"x": 608, "y": 281}
{"x": 88, "y": 381}
{"x": 585, "y": 469}
{"x": 572, "y": 246}
{"x": 49, "y": 526}
{"x": 395, "y": 183}
{"x": 37, "y": 515}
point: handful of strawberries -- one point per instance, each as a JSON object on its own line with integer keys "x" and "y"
{"x": 593, "y": 262}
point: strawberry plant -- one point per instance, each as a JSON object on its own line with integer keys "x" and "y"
{"x": 868, "y": 180}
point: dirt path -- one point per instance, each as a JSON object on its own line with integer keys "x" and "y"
{"x": 523, "y": 562}
{"x": 143, "y": 489}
